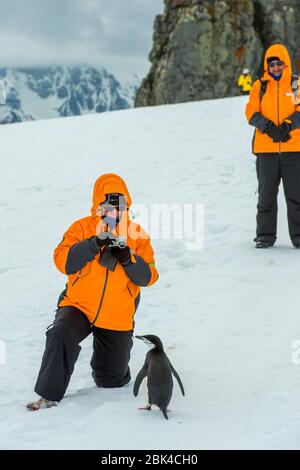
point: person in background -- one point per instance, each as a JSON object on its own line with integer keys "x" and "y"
{"x": 245, "y": 82}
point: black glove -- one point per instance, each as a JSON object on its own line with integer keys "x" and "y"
{"x": 104, "y": 239}
{"x": 122, "y": 254}
{"x": 285, "y": 131}
{"x": 274, "y": 132}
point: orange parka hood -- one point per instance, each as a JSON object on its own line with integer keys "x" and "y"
{"x": 280, "y": 51}
{"x": 105, "y": 184}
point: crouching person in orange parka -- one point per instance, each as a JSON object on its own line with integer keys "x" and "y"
{"x": 107, "y": 259}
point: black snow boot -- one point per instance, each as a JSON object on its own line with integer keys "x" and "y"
{"x": 261, "y": 243}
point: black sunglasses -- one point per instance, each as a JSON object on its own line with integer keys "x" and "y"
{"x": 110, "y": 208}
{"x": 113, "y": 202}
{"x": 276, "y": 62}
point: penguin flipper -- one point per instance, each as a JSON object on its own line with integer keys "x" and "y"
{"x": 177, "y": 378}
{"x": 139, "y": 378}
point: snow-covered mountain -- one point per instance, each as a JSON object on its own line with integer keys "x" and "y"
{"x": 39, "y": 93}
{"x": 228, "y": 314}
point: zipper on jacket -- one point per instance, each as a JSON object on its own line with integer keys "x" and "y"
{"x": 278, "y": 113}
{"x": 101, "y": 300}
{"x": 74, "y": 282}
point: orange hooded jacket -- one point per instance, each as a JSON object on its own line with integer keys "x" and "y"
{"x": 277, "y": 105}
{"x": 107, "y": 298}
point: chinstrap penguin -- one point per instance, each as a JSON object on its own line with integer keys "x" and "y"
{"x": 157, "y": 371}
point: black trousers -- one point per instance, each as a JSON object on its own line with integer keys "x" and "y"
{"x": 109, "y": 361}
{"x": 271, "y": 169}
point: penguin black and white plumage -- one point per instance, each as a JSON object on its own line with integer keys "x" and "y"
{"x": 157, "y": 371}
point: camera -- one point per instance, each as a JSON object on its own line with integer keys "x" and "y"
{"x": 120, "y": 242}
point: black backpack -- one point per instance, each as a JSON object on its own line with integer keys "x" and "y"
{"x": 294, "y": 85}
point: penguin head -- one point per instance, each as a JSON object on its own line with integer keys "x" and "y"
{"x": 152, "y": 341}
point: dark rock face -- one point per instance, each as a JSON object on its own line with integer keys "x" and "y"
{"x": 201, "y": 46}
{"x": 279, "y": 21}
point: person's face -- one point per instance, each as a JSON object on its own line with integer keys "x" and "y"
{"x": 107, "y": 210}
{"x": 276, "y": 67}
{"x": 113, "y": 207}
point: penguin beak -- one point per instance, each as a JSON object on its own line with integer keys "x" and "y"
{"x": 141, "y": 337}
{"x": 146, "y": 341}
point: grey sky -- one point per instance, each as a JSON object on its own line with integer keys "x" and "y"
{"x": 114, "y": 33}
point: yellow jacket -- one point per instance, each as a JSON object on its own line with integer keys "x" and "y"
{"x": 245, "y": 82}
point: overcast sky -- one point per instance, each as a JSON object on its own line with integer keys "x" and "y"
{"x": 114, "y": 33}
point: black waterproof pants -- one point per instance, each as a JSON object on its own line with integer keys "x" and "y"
{"x": 271, "y": 169}
{"x": 109, "y": 361}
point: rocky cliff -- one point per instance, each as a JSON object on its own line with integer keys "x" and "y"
{"x": 201, "y": 46}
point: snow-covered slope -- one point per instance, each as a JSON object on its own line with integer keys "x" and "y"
{"x": 227, "y": 314}
{"x": 41, "y": 93}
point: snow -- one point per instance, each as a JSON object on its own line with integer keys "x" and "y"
{"x": 227, "y": 314}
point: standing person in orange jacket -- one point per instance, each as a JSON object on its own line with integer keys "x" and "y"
{"x": 274, "y": 110}
{"x": 107, "y": 258}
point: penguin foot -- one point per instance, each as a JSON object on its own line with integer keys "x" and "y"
{"x": 148, "y": 408}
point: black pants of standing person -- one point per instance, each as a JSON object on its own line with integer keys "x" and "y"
{"x": 271, "y": 169}
{"x": 109, "y": 361}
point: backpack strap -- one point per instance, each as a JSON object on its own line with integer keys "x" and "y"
{"x": 263, "y": 88}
